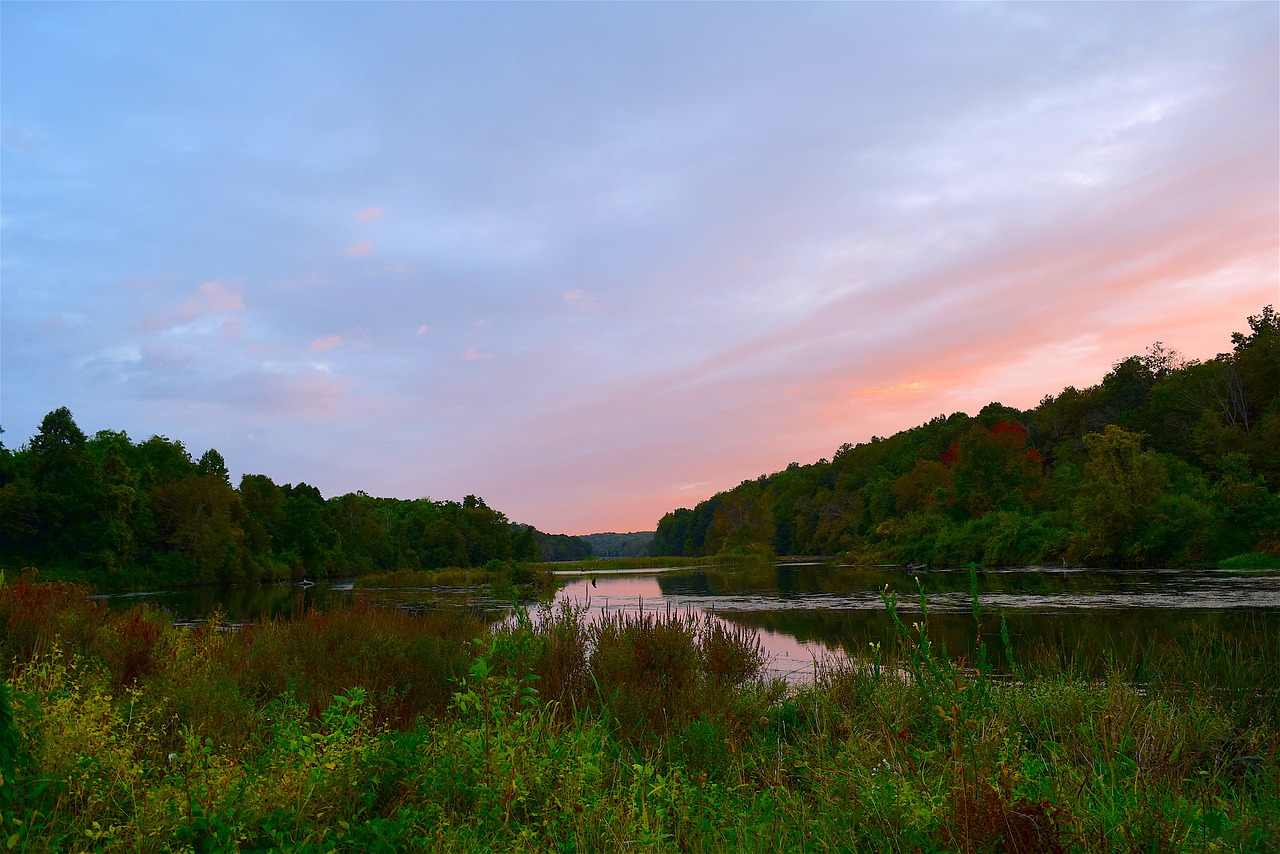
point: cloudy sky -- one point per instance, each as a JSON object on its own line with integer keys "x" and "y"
{"x": 594, "y": 262}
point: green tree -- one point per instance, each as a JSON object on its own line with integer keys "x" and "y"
{"x": 201, "y": 527}
{"x": 743, "y": 523}
{"x": 67, "y": 490}
{"x": 364, "y": 534}
{"x": 1256, "y": 357}
{"x": 674, "y": 534}
{"x": 308, "y": 539}
{"x": 1120, "y": 488}
{"x": 212, "y": 463}
{"x": 441, "y": 545}
{"x": 993, "y": 468}
{"x": 525, "y": 545}
{"x": 118, "y": 552}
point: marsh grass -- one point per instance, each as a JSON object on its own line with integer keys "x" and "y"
{"x": 373, "y": 729}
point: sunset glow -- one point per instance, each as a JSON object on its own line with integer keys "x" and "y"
{"x": 594, "y": 262}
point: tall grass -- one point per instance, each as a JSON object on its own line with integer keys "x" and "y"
{"x": 364, "y": 728}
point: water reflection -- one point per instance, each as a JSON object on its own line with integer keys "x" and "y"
{"x": 790, "y": 655}
{"x": 247, "y": 603}
{"x": 808, "y": 612}
{"x": 805, "y": 612}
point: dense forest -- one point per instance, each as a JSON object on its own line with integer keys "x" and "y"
{"x": 117, "y": 513}
{"x": 611, "y": 544}
{"x": 1167, "y": 461}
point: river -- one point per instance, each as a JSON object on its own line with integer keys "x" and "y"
{"x": 810, "y": 612}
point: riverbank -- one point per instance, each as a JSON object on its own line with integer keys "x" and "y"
{"x": 363, "y": 728}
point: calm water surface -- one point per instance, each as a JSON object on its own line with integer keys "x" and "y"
{"x": 808, "y": 612}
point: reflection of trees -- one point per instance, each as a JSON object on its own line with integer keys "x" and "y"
{"x": 783, "y": 580}
{"x": 845, "y": 611}
{"x": 853, "y": 616}
{"x": 1083, "y": 639}
{"x": 247, "y": 603}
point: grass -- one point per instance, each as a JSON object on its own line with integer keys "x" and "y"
{"x": 1253, "y": 560}
{"x": 371, "y": 729}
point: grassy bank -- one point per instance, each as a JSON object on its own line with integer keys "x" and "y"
{"x": 366, "y": 729}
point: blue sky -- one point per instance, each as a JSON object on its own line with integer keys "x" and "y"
{"x": 597, "y": 261}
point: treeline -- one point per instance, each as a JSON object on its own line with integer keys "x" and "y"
{"x": 561, "y": 547}
{"x": 115, "y": 513}
{"x": 1167, "y": 461}
{"x": 611, "y": 544}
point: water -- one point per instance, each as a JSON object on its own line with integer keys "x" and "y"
{"x": 809, "y": 612}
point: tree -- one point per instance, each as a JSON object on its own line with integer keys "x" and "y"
{"x": 308, "y": 538}
{"x": 673, "y": 532}
{"x": 66, "y": 489}
{"x": 364, "y": 537}
{"x": 200, "y": 525}
{"x": 59, "y": 455}
{"x": 212, "y": 463}
{"x": 993, "y": 468}
{"x": 163, "y": 460}
{"x": 1120, "y": 488}
{"x": 525, "y": 545}
{"x": 743, "y": 523}
{"x": 119, "y": 547}
{"x": 925, "y": 489}
{"x": 1256, "y": 359}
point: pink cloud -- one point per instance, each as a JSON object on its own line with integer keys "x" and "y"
{"x": 422, "y": 330}
{"x": 211, "y": 297}
{"x": 359, "y": 250}
{"x": 232, "y": 328}
{"x": 473, "y": 354}
{"x": 368, "y": 214}
{"x": 914, "y": 387}
{"x": 327, "y": 343}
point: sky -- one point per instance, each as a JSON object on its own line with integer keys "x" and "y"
{"x": 594, "y": 262}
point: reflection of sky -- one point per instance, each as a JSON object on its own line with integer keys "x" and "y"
{"x": 788, "y": 657}
{"x": 594, "y": 262}
{"x": 1096, "y": 608}
{"x": 1057, "y": 600}
{"x": 631, "y": 587}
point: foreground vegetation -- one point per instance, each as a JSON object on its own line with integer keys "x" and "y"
{"x": 1166, "y": 462}
{"x": 367, "y": 729}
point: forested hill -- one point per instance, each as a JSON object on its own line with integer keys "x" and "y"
{"x": 612, "y": 544}
{"x": 1165, "y": 462}
{"x": 115, "y": 513}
